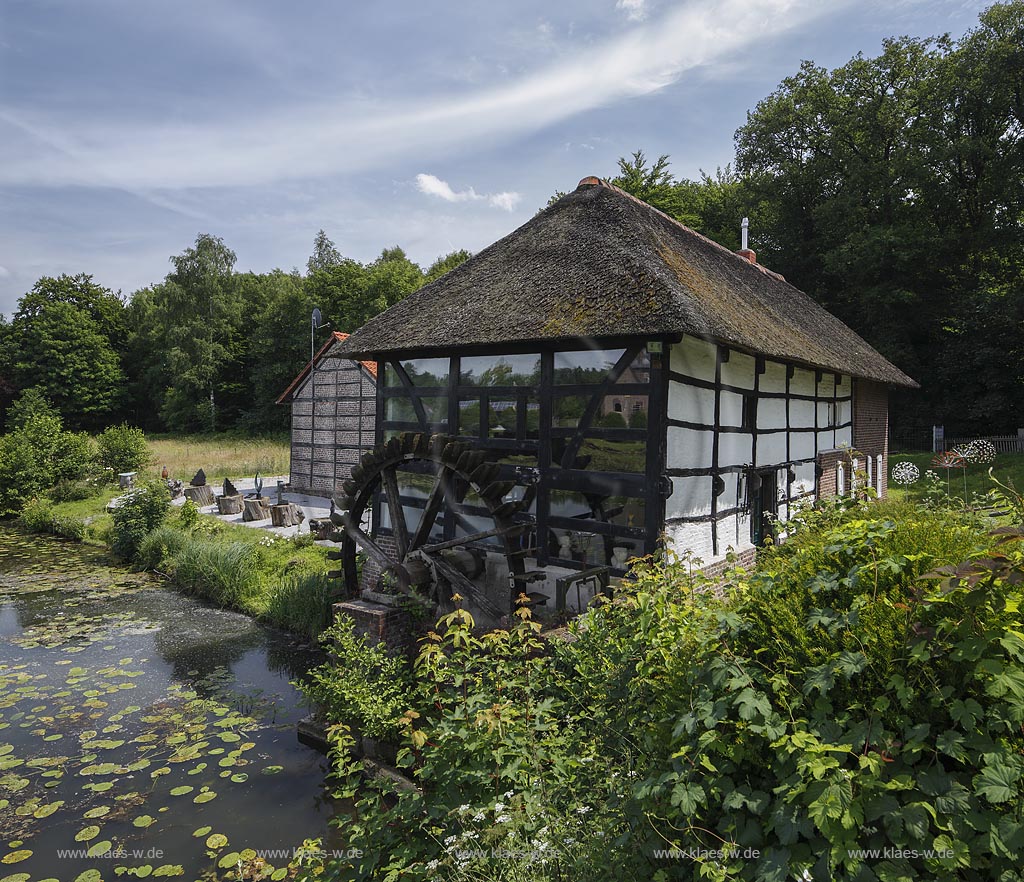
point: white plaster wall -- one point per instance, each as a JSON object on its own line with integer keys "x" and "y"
{"x": 734, "y": 448}
{"x": 771, "y": 413}
{"x": 691, "y": 403}
{"x": 802, "y": 382}
{"x": 690, "y": 496}
{"x": 739, "y": 370}
{"x": 774, "y": 377}
{"x": 730, "y": 407}
{"x": 771, "y": 449}
{"x": 688, "y": 448}
{"x": 694, "y": 357}
{"x": 801, "y": 413}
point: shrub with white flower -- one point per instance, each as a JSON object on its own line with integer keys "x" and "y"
{"x": 905, "y": 473}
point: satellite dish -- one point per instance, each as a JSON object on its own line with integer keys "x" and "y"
{"x": 317, "y": 317}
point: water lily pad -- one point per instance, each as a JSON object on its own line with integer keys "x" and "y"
{"x": 229, "y": 860}
{"x": 169, "y": 870}
{"x": 217, "y": 840}
{"x": 240, "y": 777}
{"x": 181, "y": 791}
{"x": 273, "y": 770}
{"x": 89, "y": 876}
{"x": 44, "y": 811}
{"x": 101, "y": 847}
{"x": 205, "y": 797}
{"x": 16, "y": 877}
{"x": 143, "y": 871}
{"x": 280, "y": 874}
{"x": 87, "y": 833}
{"x": 16, "y": 857}
{"x": 97, "y": 812}
{"x": 144, "y": 821}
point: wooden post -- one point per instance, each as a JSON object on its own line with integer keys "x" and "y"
{"x": 287, "y": 514}
{"x": 228, "y": 505}
{"x": 201, "y": 496}
{"x": 256, "y": 509}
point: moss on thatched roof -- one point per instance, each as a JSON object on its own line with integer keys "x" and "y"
{"x": 600, "y": 263}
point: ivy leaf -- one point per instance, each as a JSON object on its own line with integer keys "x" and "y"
{"x": 852, "y": 663}
{"x": 688, "y": 797}
{"x": 821, "y": 678}
{"x": 997, "y": 783}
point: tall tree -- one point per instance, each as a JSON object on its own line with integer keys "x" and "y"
{"x": 325, "y": 254}
{"x": 65, "y": 339}
{"x": 201, "y": 311}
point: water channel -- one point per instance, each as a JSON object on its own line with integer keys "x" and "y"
{"x": 143, "y": 732}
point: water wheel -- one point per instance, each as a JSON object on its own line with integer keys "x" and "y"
{"x": 412, "y": 558}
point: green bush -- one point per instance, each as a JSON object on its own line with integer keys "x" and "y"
{"x": 141, "y": 511}
{"x": 612, "y": 420}
{"x": 37, "y": 452}
{"x": 159, "y": 548}
{"x": 228, "y": 573}
{"x": 37, "y": 516}
{"x": 844, "y": 697}
{"x": 66, "y": 490}
{"x": 638, "y": 419}
{"x": 69, "y": 527}
{"x": 362, "y": 686}
{"x": 123, "y": 448}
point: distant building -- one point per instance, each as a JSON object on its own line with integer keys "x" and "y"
{"x": 333, "y": 403}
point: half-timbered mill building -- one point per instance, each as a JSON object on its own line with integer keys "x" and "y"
{"x": 333, "y": 406}
{"x": 749, "y": 387}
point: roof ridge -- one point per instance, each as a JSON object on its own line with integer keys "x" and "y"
{"x": 594, "y": 181}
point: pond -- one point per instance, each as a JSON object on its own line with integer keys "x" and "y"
{"x": 142, "y": 732}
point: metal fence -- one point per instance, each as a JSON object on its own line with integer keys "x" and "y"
{"x": 932, "y": 439}
{"x": 1002, "y": 443}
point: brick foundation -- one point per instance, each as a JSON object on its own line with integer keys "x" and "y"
{"x": 389, "y": 625}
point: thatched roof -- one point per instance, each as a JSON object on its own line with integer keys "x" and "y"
{"x": 600, "y": 263}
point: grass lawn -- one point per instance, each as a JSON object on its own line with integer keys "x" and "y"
{"x": 220, "y": 456}
{"x": 1008, "y": 467}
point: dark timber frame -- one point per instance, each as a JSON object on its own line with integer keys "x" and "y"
{"x": 550, "y": 453}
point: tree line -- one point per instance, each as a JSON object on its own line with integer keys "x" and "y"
{"x": 890, "y": 189}
{"x": 206, "y": 349}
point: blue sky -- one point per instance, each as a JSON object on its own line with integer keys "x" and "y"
{"x": 126, "y": 128}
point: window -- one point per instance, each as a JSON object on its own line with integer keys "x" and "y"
{"x": 618, "y": 407}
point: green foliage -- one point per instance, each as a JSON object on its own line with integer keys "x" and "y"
{"x": 38, "y": 452}
{"x": 856, "y": 692}
{"x": 160, "y": 547}
{"x": 362, "y": 685}
{"x": 638, "y": 419}
{"x": 301, "y": 602}
{"x": 123, "y": 448}
{"x": 67, "y": 335}
{"x": 226, "y": 573}
{"x": 141, "y": 511}
{"x": 612, "y": 420}
{"x": 36, "y": 516}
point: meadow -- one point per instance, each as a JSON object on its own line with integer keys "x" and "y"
{"x": 220, "y": 456}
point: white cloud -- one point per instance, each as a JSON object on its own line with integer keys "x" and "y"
{"x": 342, "y": 136}
{"x": 507, "y": 201}
{"x": 635, "y": 9}
{"x": 4, "y": 273}
{"x": 434, "y": 186}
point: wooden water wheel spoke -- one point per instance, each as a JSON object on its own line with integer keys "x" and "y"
{"x": 390, "y": 480}
{"x": 356, "y": 533}
{"x": 434, "y": 502}
{"x": 466, "y": 588}
{"x": 411, "y": 558}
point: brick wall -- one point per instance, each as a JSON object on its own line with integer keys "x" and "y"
{"x": 871, "y": 424}
{"x": 828, "y": 460}
{"x": 391, "y": 626}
